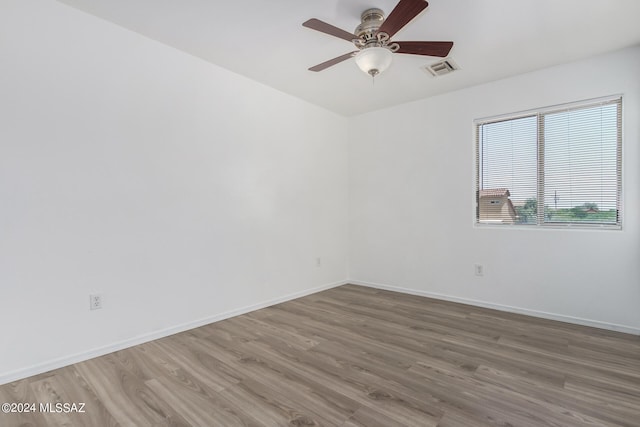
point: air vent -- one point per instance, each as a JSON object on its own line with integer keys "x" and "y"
{"x": 441, "y": 68}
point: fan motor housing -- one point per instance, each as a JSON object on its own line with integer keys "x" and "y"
{"x": 371, "y": 19}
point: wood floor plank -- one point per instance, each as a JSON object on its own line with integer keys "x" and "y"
{"x": 198, "y": 365}
{"x": 298, "y": 409}
{"x": 561, "y": 398}
{"x": 310, "y": 390}
{"x": 353, "y": 356}
{"x": 125, "y": 396}
{"x": 266, "y": 407}
{"x": 72, "y": 402}
{"x": 576, "y": 362}
{"x": 344, "y": 333}
{"x": 494, "y": 402}
{"x": 302, "y": 395}
{"x": 19, "y": 392}
{"x": 269, "y": 332}
{"x": 463, "y": 419}
{"x": 198, "y": 407}
{"x": 357, "y": 382}
{"x": 609, "y": 391}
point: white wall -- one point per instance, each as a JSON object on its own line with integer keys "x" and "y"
{"x": 411, "y": 172}
{"x": 178, "y": 190}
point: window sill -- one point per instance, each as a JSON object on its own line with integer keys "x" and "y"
{"x": 549, "y": 226}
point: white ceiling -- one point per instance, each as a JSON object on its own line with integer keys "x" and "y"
{"x": 265, "y": 41}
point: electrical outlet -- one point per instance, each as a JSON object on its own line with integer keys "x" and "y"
{"x": 95, "y": 301}
{"x": 478, "y": 269}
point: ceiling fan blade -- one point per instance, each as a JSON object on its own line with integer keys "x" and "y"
{"x": 323, "y": 27}
{"x": 440, "y": 49}
{"x": 400, "y": 16}
{"x": 333, "y": 61}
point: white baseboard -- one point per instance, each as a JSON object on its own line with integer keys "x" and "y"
{"x": 140, "y": 339}
{"x": 507, "y": 308}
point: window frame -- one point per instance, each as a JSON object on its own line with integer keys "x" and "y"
{"x": 540, "y": 113}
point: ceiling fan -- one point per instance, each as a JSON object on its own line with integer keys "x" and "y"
{"x": 373, "y": 38}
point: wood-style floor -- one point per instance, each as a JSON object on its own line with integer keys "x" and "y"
{"x": 353, "y": 356}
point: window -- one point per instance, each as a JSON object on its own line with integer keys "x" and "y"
{"x": 557, "y": 166}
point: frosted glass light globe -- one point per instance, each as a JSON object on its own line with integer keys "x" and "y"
{"x": 374, "y": 60}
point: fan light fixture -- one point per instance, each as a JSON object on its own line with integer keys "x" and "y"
{"x": 374, "y": 60}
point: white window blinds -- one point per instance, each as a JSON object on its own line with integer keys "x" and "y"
{"x": 559, "y": 166}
